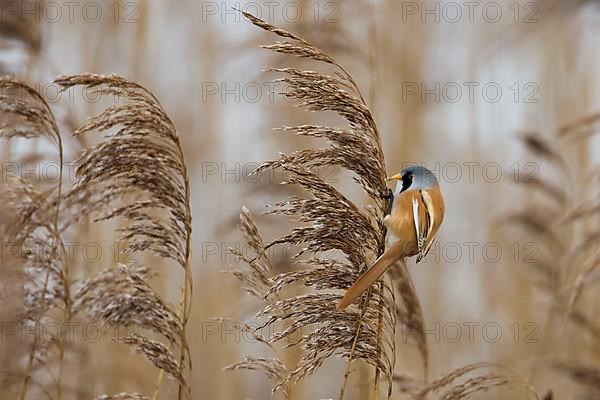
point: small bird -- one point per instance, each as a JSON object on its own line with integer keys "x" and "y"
{"x": 416, "y": 213}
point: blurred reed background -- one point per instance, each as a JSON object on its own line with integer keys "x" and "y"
{"x": 465, "y": 95}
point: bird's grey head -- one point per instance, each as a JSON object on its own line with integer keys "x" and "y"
{"x": 414, "y": 177}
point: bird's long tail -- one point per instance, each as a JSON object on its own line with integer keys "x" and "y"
{"x": 364, "y": 282}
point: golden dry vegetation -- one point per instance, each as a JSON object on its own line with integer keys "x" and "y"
{"x": 150, "y": 249}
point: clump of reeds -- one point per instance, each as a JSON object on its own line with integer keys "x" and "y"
{"x": 136, "y": 174}
{"x": 336, "y": 239}
{"x": 567, "y": 263}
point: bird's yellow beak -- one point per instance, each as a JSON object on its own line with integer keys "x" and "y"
{"x": 397, "y": 177}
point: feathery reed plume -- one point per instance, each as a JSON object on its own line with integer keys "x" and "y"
{"x": 537, "y": 221}
{"x": 121, "y": 297}
{"x": 332, "y": 225}
{"x": 26, "y": 114}
{"x": 568, "y": 256}
{"x": 256, "y": 281}
{"x": 457, "y": 385}
{"x": 157, "y": 353}
{"x": 141, "y": 156}
{"x": 271, "y": 366}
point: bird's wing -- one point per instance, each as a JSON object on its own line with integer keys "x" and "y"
{"x": 415, "y": 209}
{"x": 422, "y": 225}
{"x": 364, "y": 282}
{"x": 429, "y": 232}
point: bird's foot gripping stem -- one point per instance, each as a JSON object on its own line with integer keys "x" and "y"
{"x": 388, "y": 196}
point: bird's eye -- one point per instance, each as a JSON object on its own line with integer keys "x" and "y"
{"x": 407, "y": 180}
